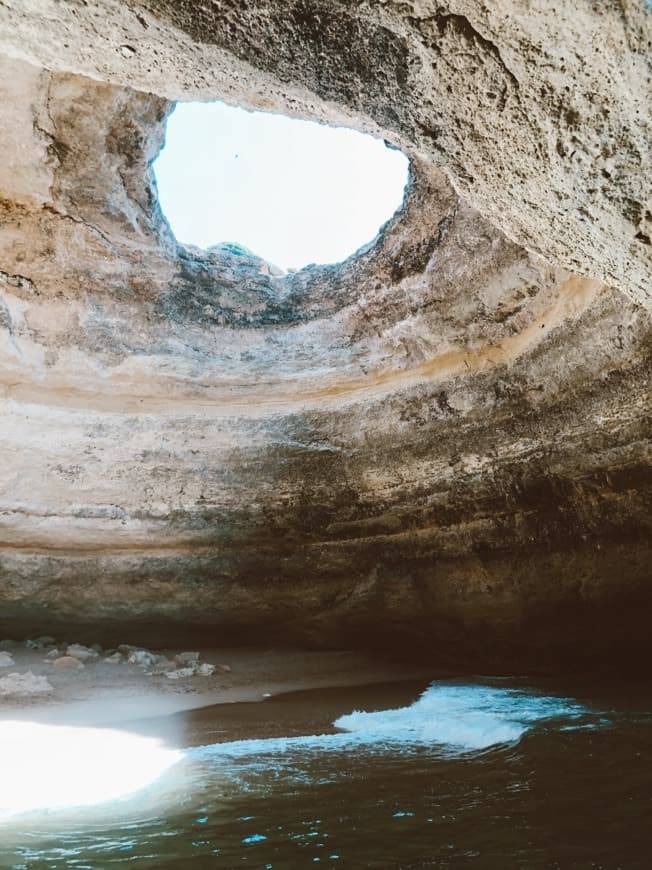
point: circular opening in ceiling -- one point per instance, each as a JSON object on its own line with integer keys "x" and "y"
{"x": 293, "y": 192}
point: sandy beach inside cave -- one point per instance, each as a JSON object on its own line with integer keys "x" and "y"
{"x": 104, "y": 694}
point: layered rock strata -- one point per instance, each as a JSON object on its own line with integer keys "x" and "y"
{"x": 439, "y": 447}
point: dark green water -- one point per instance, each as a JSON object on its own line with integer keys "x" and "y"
{"x": 568, "y": 784}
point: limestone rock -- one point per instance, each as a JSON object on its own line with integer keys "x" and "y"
{"x": 143, "y": 658}
{"x": 68, "y": 662}
{"x": 439, "y": 446}
{"x": 455, "y": 81}
{"x": 81, "y": 652}
{"x": 24, "y": 684}
{"x": 6, "y": 659}
{"x": 186, "y": 658}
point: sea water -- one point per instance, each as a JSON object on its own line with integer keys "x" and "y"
{"x": 478, "y": 773}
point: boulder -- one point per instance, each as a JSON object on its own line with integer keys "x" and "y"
{"x": 68, "y": 662}
{"x": 143, "y": 658}
{"x": 81, "y": 652}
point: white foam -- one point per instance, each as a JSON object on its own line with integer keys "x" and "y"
{"x": 459, "y": 718}
{"x": 470, "y": 717}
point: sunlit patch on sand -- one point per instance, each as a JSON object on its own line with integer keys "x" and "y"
{"x": 53, "y": 767}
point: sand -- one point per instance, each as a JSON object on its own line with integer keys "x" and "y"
{"x": 106, "y": 694}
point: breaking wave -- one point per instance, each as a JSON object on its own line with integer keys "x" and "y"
{"x": 457, "y": 718}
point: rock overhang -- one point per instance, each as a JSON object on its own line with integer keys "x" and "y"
{"x": 441, "y": 441}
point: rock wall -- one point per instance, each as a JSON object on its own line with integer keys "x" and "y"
{"x": 439, "y": 447}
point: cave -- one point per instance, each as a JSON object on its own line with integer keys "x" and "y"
{"x": 435, "y": 450}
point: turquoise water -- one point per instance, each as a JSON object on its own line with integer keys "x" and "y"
{"x": 480, "y": 773}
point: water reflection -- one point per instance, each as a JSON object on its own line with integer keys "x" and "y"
{"x": 52, "y": 767}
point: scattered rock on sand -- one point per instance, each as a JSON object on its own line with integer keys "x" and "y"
{"x": 143, "y": 658}
{"x": 195, "y": 668}
{"x": 223, "y": 669}
{"x": 181, "y": 674}
{"x": 67, "y": 662}
{"x": 24, "y": 684}
{"x": 40, "y": 642}
{"x": 185, "y": 658}
{"x": 53, "y": 654}
{"x": 115, "y": 658}
{"x": 6, "y": 660}
{"x": 81, "y": 652}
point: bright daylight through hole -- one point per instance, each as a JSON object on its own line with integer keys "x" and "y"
{"x": 294, "y": 192}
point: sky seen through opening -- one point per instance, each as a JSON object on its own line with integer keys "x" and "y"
{"x": 294, "y": 192}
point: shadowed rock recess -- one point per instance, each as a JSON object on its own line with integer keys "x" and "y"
{"x": 439, "y": 447}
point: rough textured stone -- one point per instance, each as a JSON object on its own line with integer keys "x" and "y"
{"x": 540, "y": 114}
{"x": 68, "y": 662}
{"x": 439, "y": 446}
{"x": 23, "y": 684}
{"x": 80, "y": 652}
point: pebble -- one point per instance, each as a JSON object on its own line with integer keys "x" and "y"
{"x": 6, "y": 660}
{"x": 185, "y": 658}
{"x": 24, "y": 684}
{"x": 73, "y": 656}
{"x": 81, "y": 652}
{"x": 143, "y": 658}
{"x": 67, "y": 662}
{"x": 180, "y": 674}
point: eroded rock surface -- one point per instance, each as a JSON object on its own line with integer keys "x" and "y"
{"x": 540, "y": 114}
{"x": 439, "y": 446}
